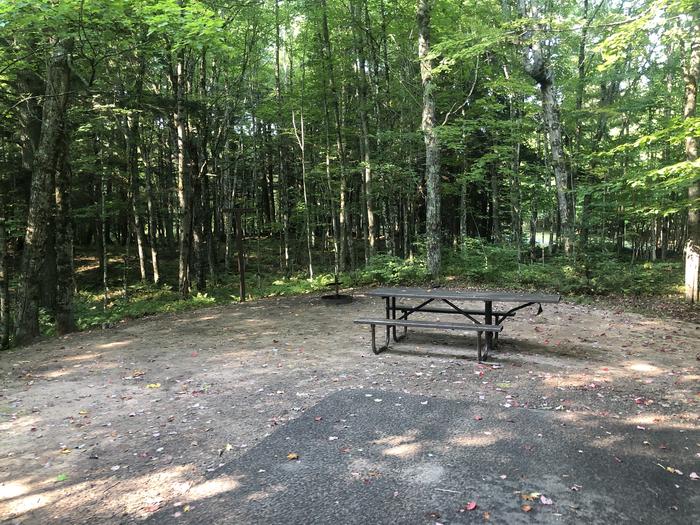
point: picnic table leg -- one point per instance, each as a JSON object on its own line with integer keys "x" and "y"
{"x": 374, "y": 341}
{"x": 488, "y": 319}
{"x": 393, "y": 316}
{"x": 478, "y": 346}
{"x": 388, "y": 316}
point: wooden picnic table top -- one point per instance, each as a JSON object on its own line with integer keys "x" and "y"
{"x": 463, "y": 295}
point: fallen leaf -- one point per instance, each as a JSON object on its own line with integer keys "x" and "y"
{"x": 487, "y": 516}
{"x": 186, "y": 508}
{"x": 318, "y": 418}
{"x": 478, "y": 418}
{"x": 525, "y": 508}
{"x": 62, "y": 477}
{"x": 471, "y": 505}
{"x": 153, "y": 385}
{"x": 694, "y": 475}
{"x": 545, "y": 500}
{"x": 292, "y": 456}
{"x": 531, "y": 496}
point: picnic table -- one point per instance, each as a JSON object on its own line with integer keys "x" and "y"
{"x": 485, "y": 321}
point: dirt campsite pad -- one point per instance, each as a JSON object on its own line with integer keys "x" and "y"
{"x": 276, "y": 411}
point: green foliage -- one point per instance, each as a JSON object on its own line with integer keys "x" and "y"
{"x": 388, "y": 269}
{"x": 479, "y": 264}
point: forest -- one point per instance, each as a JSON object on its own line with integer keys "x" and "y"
{"x": 523, "y": 144}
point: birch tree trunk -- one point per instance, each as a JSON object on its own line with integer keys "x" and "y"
{"x": 536, "y": 65}
{"x": 281, "y": 160}
{"x": 39, "y": 214}
{"x": 432, "y": 148}
{"x": 692, "y": 250}
{"x": 184, "y": 189}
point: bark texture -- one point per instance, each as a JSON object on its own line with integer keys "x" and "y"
{"x": 432, "y": 147}
{"x": 537, "y": 66}
{"x": 39, "y": 214}
{"x": 692, "y": 255}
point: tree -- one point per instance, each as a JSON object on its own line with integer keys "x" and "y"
{"x": 46, "y": 165}
{"x": 692, "y": 141}
{"x": 432, "y": 147}
{"x": 537, "y": 64}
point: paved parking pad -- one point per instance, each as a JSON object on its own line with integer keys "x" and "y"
{"x": 370, "y": 457}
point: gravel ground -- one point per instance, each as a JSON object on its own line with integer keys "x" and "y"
{"x": 133, "y": 422}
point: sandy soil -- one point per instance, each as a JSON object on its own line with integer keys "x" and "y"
{"x": 115, "y": 425}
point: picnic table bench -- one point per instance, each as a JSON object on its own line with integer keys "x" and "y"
{"x": 489, "y": 327}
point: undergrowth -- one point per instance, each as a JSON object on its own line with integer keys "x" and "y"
{"x": 475, "y": 264}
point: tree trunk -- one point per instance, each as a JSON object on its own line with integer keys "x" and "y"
{"x": 184, "y": 189}
{"x": 344, "y": 239}
{"x": 281, "y": 146}
{"x": 4, "y": 275}
{"x": 692, "y": 255}
{"x": 495, "y": 205}
{"x": 432, "y": 148}
{"x": 537, "y": 66}
{"x": 152, "y": 216}
{"x": 362, "y": 104}
{"x": 132, "y": 160}
{"x": 45, "y": 164}
{"x": 65, "y": 285}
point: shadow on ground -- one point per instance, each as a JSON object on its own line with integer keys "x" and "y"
{"x": 386, "y": 458}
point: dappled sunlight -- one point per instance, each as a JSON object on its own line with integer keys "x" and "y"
{"x": 81, "y": 357}
{"x": 55, "y": 374}
{"x": 608, "y": 440}
{"x": 112, "y": 495}
{"x": 12, "y": 489}
{"x": 602, "y": 376}
{"x": 114, "y": 344}
{"x": 568, "y": 381}
{"x": 689, "y": 378}
{"x": 214, "y": 487}
{"x": 686, "y": 421}
{"x": 481, "y": 439}
{"x": 208, "y": 317}
{"x": 263, "y": 494}
{"x": 21, "y": 423}
{"x": 28, "y": 498}
{"x": 397, "y": 440}
{"x": 645, "y": 368}
{"x": 405, "y": 450}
